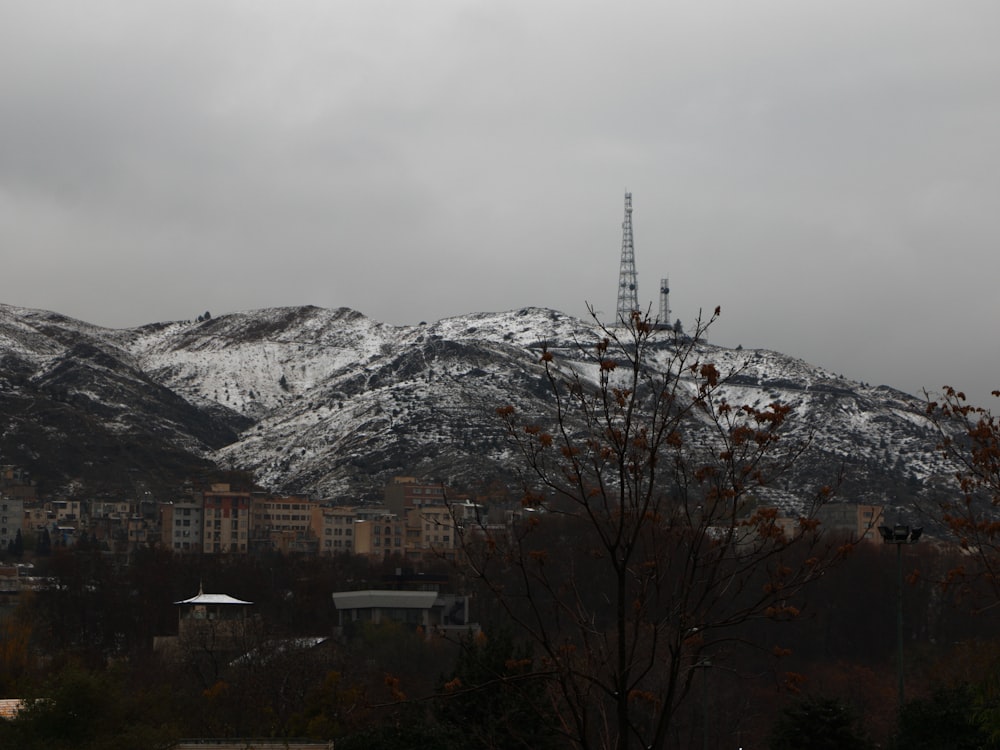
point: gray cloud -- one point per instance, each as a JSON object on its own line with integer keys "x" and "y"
{"x": 826, "y": 172}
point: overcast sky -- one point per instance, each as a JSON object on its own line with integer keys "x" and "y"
{"x": 826, "y": 172}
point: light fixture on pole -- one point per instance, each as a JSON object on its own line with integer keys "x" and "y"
{"x": 899, "y": 535}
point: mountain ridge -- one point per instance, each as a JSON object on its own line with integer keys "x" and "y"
{"x": 331, "y": 403}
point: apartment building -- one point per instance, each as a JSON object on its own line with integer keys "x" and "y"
{"x": 283, "y": 523}
{"x": 434, "y": 528}
{"x": 860, "y": 521}
{"x": 11, "y": 518}
{"x": 404, "y": 493}
{"x": 182, "y": 525}
{"x": 15, "y": 483}
{"x": 334, "y": 528}
{"x": 226, "y": 520}
{"x": 380, "y": 536}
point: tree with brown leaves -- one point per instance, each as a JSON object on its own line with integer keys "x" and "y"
{"x": 970, "y": 437}
{"x": 646, "y": 540}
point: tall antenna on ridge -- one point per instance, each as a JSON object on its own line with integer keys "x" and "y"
{"x": 628, "y": 288}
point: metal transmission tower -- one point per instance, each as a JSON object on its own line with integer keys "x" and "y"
{"x": 628, "y": 288}
{"x": 663, "y": 319}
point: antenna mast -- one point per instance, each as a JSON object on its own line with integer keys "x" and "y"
{"x": 628, "y": 288}
{"x": 663, "y": 319}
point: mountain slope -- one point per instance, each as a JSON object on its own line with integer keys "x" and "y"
{"x": 332, "y": 403}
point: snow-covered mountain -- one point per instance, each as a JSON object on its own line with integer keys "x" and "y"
{"x": 329, "y": 402}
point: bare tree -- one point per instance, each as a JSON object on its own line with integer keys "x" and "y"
{"x": 645, "y": 541}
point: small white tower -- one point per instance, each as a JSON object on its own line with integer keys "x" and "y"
{"x": 663, "y": 319}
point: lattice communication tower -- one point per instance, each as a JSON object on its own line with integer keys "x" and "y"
{"x": 628, "y": 288}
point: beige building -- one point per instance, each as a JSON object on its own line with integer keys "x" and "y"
{"x": 334, "y": 527}
{"x": 67, "y": 512}
{"x": 430, "y": 511}
{"x": 380, "y": 536}
{"x": 38, "y": 517}
{"x": 284, "y": 523}
{"x": 434, "y": 527}
{"x": 861, "y": 521}
{"x": 116, "y": 510}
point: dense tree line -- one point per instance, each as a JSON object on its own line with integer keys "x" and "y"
{"x": 81, "y": 654}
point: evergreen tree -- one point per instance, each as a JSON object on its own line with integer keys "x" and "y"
{"x": 818, "y": 724}
{"x": 17, "y": 545}
{"x": 81, "y": 710}
{"x": 43, "y": 547}
{"x": 945, "y": 721}
{"x": 496, "y": 698}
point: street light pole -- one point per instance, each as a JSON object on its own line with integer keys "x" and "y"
{"x": 704, "y": 665}
{"x": 899, "y": 535}
{"x": 899, "y": 619}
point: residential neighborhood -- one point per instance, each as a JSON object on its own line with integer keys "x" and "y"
{"x": 415, "y": 519}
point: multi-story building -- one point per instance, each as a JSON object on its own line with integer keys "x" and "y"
{"x": 182, "y": 526}
{"x": 860, "y": 521}
{"x": 434, "y": 527}
{"x": 284, "y": 523}
{"x": 108, "y": 522}
{"x": 380, "y": 536}
{"x": 139, "y": 532}
{"x": 405, "y": 493}
{"x": 11, "y": 518}
{"x": 334, "y": 527}
{"x": 38, "y": 517}
{"x": 226, "y": 520}
{"x": 430, "y": 511}
{"x": 67, "y": 512}
{"x": 110, "y": 509}
{"x": 15, "y": 483}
